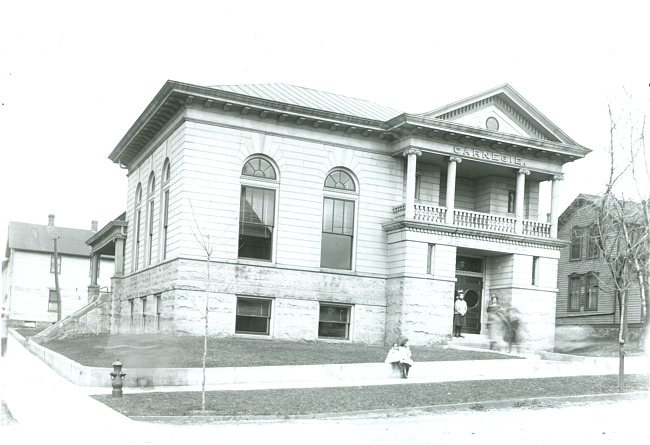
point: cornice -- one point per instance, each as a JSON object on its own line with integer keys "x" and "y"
{"x": 174, "y": 97}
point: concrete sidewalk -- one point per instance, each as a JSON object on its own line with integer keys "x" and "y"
{"x": 39, "y": 406}
{"x": 528, "y": 367}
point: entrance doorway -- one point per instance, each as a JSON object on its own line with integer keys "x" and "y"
{"x": 473, "y": 288}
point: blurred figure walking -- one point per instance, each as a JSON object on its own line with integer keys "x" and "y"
{"x": 495, "y": 322}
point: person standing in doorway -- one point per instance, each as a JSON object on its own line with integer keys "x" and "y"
{"x": 460, "y": 309}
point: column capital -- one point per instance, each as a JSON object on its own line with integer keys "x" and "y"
{"x": 412, "y": 151}
{"x": 523, "y": 171}
{"x": 455, "y": 159}
{"x": 558, "y": 177}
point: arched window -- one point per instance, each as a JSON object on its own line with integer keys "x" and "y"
{"x": 165, "y": 198}
{"x": 136, "y": 227}
{"x": 340, "y": 179}
{"x": 339, "y": 205}
{"x": 150, "y": 210}
{"x": 166, "y": 171}
{"x": 259, "y": 168}
{"x": 257, "y": 209}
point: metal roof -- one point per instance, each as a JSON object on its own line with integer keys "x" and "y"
{"x": 315, "y": 99}
{"x": 38, "y": 238}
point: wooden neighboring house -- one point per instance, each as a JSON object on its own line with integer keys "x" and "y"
{"x": 334, "y": 218}
{"x": 28, "y": 282}
{"x": 586, "y": 292}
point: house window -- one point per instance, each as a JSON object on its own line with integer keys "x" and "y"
{"x": 592, "y": 242}
{"x": 165, "y": 223}
{"x": 53, "y": 302}
{"x": 253, "y": 316}
{"x": 418, "y": 184}
{"x": 152, "y": 189}
{"x": 338, "y": 220}
{"x": 535, "y": 274}
{"x": 575, "y": 252}
{"x": 144, "y": 313}
{"x": 469, "y": 264}
{"x": 512, "y": 195}
{"x": 338, "y": 226}
{"x": 591, "y": 296}
{"x": 158, "y": 310}
{"x": 136, "y": 229}
{"x": 257, "y": 210}
{"x": 52, "y": 263}
{"x": 256, "y": 221}
{"x": 334, "y": 321}
{"x": 575, "y": 292}
{"x": 431, "y": 256}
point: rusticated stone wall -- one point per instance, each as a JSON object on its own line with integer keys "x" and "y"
{"x": 180, "y": 285}
{"x": 420, "y": 309}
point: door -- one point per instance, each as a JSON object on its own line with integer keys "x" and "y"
{"x": 473, "y": 287}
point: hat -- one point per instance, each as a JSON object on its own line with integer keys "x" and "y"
{"x": 403, "y": 340}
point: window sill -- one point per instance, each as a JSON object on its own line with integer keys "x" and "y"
{"x": 340, "y": 271}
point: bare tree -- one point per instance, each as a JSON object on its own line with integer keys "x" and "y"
{"x": 207, "y": 244}
{"x": 622, "y": 221}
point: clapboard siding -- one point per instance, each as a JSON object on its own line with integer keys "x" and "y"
{"x": 608, "y": 311}
{"x": 31, "y": 280}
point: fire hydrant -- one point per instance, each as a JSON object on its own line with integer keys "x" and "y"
{"x": 117, "y": 378}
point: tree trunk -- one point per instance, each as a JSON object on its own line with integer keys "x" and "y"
{"x": 205, "y": 335}
{"x": 621, "y": 342}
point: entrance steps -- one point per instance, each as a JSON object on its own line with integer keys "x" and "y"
{"x": 478, "y": 341}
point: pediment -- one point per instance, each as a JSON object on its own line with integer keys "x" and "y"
{"x": 501, "y": 110}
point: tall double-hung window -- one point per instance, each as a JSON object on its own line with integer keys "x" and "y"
{"x": 576, "y": 292}
{"x": 137, "y": 227}
{"x": 165, "y": 203}
{"x": 257, "y": 209}
{"x": 339, "y": 207}
{"x": 151, "y": 208}
{"x": 575, "y": 249}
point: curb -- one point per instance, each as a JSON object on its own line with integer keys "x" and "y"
{"x": 538, "y": 402}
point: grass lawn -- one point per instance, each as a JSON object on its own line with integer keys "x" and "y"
{"x": 341, "y": 399}
{"x": 184, "y": 351}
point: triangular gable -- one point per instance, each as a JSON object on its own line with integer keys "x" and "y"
{"x": 501, "y": 109}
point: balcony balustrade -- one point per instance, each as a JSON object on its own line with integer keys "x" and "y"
{"x": 475, "y": 220}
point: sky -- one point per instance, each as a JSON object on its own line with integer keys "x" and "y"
{"x": 75, "y": 75}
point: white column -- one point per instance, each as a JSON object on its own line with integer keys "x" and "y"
{"x": 451, "y": 187}
{"x": 411, "y": 160}
{"x": 94, "y": 270}
{"x": 555, "y": 203}
{"x": 519, "y": 198}
{"x": 119, "y": 256}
